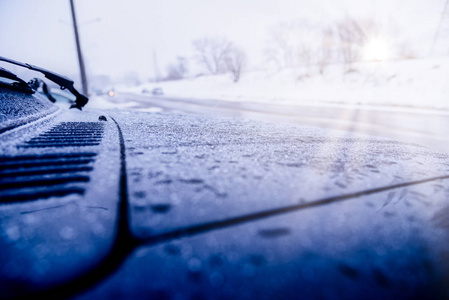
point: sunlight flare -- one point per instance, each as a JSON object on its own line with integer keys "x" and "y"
{"x": 377, "y": 49}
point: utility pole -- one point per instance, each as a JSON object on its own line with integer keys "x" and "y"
{"x": 444, "y": 15}
{"x": 157, "y": 75}
{"x": 78, "y": 48}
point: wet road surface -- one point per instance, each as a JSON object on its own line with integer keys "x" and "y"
{"x": 423, "y": 126}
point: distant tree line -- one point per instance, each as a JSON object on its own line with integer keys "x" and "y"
{"x": 214, "y": 55}
{"x": 299, "y": 46}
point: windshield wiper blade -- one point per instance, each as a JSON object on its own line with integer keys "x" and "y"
{"x": 18, "y": 82}
{"x": 62, "y": 81}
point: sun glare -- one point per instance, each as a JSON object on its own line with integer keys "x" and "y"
{"x": 376, "y": 49}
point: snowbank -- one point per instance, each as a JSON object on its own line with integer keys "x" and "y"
{"x": 411, "y": 83}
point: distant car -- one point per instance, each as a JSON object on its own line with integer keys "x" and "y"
{"x": 98, "y": 92}
{"x": 157, "y": 91}
{"x": 112, "y": 93}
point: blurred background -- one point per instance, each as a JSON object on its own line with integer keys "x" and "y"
{"x": 344, "y": 51}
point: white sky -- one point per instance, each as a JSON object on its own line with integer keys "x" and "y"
{"x": 123, "y": 41}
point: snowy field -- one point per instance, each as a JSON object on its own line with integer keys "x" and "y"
{"x": 418, "y": 83}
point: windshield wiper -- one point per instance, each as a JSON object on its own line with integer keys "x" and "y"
{"x": 62, "y": 81}
{"x": 18, "y": 83}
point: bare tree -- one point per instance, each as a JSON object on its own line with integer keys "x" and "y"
{"x": 293, "y": 46}
{"x": 177, "y": 70}
{"x": 280, "y": 49}
{"x": 304, "y": 56}
{"x": 353, "y": 34}
{"x": 211, "y": 53}
{"x": 351, "y": 38}
{"x": 325, "y": 51}
{"x": 235, "y": 62}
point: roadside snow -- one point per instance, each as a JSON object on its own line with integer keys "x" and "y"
{"x": 103, "y": 102}
{"x": 419, "y": 83}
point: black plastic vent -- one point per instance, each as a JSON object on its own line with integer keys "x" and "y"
{"x": 69, "y": 134}
{"x": 32, "y": 177}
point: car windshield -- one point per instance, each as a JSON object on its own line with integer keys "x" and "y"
{"x": 225, "y": 149}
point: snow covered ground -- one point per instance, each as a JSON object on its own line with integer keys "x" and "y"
{"x": 420, "y": 83}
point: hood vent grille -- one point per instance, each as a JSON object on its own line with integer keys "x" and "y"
{"x": 69, "y": 134}
{"x": 25, "y": 178}
{"x": 38, "y": 176}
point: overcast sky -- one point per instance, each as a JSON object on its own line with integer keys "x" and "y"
{"x": 119, "y": 37}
